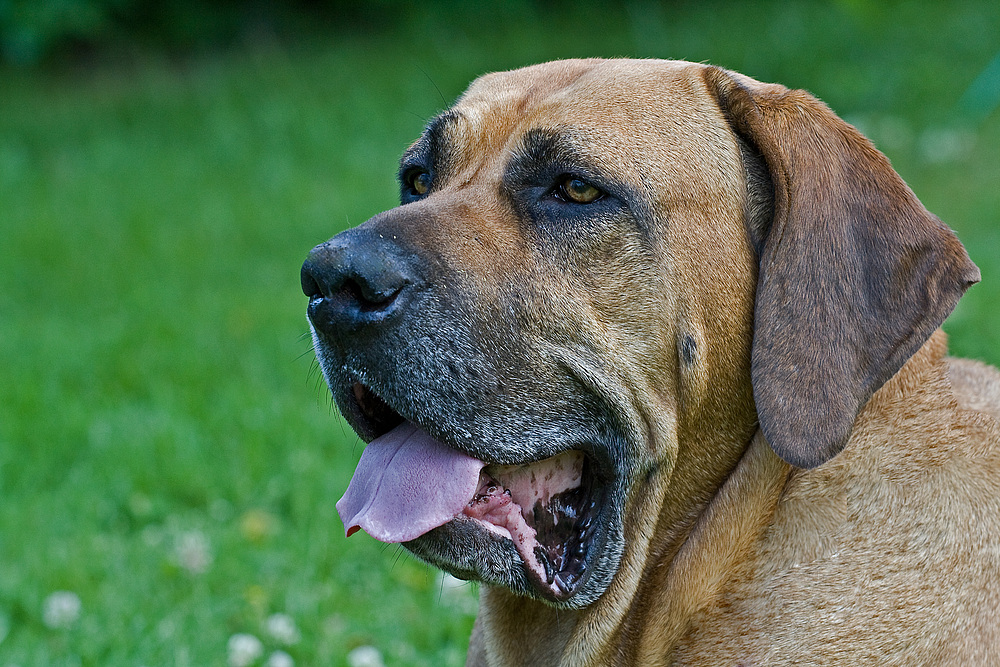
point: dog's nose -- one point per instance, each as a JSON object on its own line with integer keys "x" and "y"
{"x": 353, "y": 280}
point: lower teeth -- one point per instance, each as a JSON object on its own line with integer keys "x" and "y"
{"x": 543, "y": 558}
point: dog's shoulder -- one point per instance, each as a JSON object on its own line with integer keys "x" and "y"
{"x": 895, "y": 537}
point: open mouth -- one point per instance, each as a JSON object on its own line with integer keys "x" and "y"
{"x": 407, "y": 484}
{"x": 548, "y": 509}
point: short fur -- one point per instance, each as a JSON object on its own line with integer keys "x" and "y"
{"x": 750, "y": 326}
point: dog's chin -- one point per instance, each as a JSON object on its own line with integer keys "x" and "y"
{"x": 540, "y": 528}
{"x": 469, "y": 550}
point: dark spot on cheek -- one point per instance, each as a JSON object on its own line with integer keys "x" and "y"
{"x": 688, "y": 349}
{"x": 651, "y": 473}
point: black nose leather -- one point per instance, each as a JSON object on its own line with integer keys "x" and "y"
{"x": 354, "y": 280}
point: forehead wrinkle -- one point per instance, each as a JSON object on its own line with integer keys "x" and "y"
{"x": 599, "y": 103}
{"x": 500, "y": 109}
{"x": 542, "y": 148}
{"x": 478, "y": 140}
{"x": 595, "y": 152}
{"x": 679, "y": 150}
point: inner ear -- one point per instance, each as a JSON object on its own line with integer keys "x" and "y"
{"x": 759, "y": 209}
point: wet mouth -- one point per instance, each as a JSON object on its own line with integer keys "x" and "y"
{"x": 408, "y": 483}
{"x": 548, "y": 510}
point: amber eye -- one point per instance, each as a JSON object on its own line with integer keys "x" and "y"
{"x": 420, "y": 182}
{"x": 576, "y": 190}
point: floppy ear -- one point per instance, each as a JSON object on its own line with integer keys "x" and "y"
{"x": 855, "y": 274}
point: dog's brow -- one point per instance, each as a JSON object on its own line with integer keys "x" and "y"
{"x": 544, "y": 145}
{"x": 541, "y": 149}
{"x": 545, "y": 154}
{"x": 431, "y": 150}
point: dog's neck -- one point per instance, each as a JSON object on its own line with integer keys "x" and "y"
{"x": 725, "y": 531}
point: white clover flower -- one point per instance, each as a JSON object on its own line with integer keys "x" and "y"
{"x": 280, "y": 659}
{"x": 365, "y": 656}
{"x": 61, "y": 609}
{"x": 193, "y": 552}
{"x": 243, "y": 650}
{"x": 281, "y": 627}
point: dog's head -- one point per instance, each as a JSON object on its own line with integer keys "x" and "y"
{"x": 602, "y": 277}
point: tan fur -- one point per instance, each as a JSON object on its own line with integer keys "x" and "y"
{"x": 891, "y": 553}
{"x": 725, "y": 348}
{"x": 976, "y": 385}
{"x": 887, "y": 554}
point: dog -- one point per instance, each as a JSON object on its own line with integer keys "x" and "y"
{"x": 651, "y": 350}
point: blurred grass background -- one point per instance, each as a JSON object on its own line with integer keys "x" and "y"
{"x": 168, "y": 454}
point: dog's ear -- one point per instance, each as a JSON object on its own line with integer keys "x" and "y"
{"x": 855, "y": 274}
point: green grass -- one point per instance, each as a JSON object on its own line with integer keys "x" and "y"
{"x": 167, "y": 451}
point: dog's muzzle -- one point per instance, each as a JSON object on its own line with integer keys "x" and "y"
{"x": 484, "y": 456}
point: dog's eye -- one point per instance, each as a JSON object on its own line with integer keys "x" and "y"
{"x": 576, "y": 190}
{"x": 419, "y": 182}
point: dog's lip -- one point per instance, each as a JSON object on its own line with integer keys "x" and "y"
{"x": 378, "y": 417}
{"x": 375, "y": 415}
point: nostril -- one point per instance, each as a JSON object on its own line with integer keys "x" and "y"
{"x": 351, "y": 293}
{"x": 373, "y": 297}
{"x": 310, "y": 286}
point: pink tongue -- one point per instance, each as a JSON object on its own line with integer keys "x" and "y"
{"x": 406, "y": 484}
